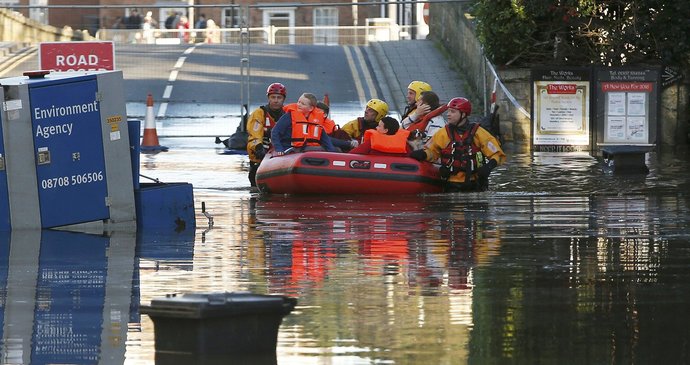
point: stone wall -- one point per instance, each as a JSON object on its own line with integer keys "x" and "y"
{"x": 674, "y": 115}
{"x": 15, "y": 27}
{"x": 453, "y": 28}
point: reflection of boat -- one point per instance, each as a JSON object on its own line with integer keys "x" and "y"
{"x": 318, "y": 172}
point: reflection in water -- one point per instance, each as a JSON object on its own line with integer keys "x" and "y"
{"x": 68, "y": 297}
{"x": 583, "y": 175}
{"x": 560, "y": 262}
{"x": 73, "y": 298}
{"x": 605, "y": 288}
{"x": 372, "y": 276}
{"x": 479, "y": 278}
{"x": 489, "y": 278}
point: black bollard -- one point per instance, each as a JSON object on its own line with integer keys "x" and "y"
{"x": 628, "y": 159}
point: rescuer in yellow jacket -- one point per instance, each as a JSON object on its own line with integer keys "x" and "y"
{"x": 259, "y": 126}
{"x": 467, "y": 151}
{"x": 414, "y": 93}
{"x": 374, "y": 111}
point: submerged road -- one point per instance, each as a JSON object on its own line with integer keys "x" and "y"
{"x": 204, "y": 80}
{"x": 559, "y": 262}
{"x": 193, "y": 82}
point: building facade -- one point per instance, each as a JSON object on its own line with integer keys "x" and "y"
{"x": 93, "y": 15}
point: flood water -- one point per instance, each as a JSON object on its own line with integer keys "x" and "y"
{"x": 560, "y": 262}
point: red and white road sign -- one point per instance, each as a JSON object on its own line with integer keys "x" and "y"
{"x": 76, "y": 56}
{"x": 425, "y": 13}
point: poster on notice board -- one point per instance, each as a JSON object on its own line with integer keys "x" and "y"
{"x": 560, "y": 109}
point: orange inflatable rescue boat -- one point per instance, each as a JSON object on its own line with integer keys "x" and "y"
{"x": 319, "y": 172}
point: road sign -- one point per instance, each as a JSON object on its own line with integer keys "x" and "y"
{"x": 76, "y": 56}
{"x": 425, "y": 12}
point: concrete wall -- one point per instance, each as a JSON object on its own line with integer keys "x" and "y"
{"x": 451, "y": 26}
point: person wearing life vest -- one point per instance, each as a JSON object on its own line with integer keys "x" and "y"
{"x": 425, "y": 123}
{"x": 301, "y": 127}
{"x": 387, "y": 139}
{"x": 414, "y": 92}
{"x": 259, "y": 126}
{"x": 374, "y": 111}
{"x": 467, "y": 151}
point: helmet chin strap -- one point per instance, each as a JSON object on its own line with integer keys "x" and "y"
{"x": 462, "y": 122}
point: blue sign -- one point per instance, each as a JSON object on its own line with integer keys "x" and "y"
{"x": 70, "y": 160}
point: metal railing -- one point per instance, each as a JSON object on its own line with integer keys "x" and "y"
{"x": 320, "y": 35}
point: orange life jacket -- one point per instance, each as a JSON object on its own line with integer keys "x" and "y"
{"x": 363, "y": 128}
{"x": 306, "y": 131}
{"x": 421, "y": 124}
{"x": 290, "y": 107}
{"x": 396, "y": 143}
{"x": 328, "y": 124}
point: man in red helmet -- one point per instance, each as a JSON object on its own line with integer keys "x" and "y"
{"x": 467, "y": 151}
{"x": 259, "y": 126}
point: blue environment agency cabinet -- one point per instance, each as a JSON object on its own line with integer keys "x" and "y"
{"x": 66, "y": 158}
{"x": 66, "y": 151}
{"x": 70, "y": 166}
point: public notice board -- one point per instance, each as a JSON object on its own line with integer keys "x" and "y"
{"x": 560, "y": 109}
{"x": 627, "y": 105}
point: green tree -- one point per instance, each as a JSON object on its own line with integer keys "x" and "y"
{"x": 581, "y": 32}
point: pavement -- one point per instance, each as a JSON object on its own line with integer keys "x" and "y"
{"x": 7, "y": 48}
{"x": 401, "y": 62}
{"x": 12, "y": 54}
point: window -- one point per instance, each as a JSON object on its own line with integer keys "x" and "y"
{"x": 39, "y": 14}
{"x": 279, "y": 24}
{"x": 326, "y": 17}
{"x": 231, "y": 17}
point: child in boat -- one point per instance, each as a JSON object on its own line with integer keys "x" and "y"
{"x": 301, "y": 127}
{"x": 426, "y": 120}
{"x": 387, "y": 139}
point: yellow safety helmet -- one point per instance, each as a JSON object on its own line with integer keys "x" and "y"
{"x": 380, "y": 106}
{"x": 418, "y": 87}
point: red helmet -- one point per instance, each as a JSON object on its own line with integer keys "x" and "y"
{"x": 461, "y": 104}
{"x": 276, "y": 88}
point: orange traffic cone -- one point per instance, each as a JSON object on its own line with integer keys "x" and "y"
{"x": 150, "y": 140}
{"x": 326, "y": 100}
